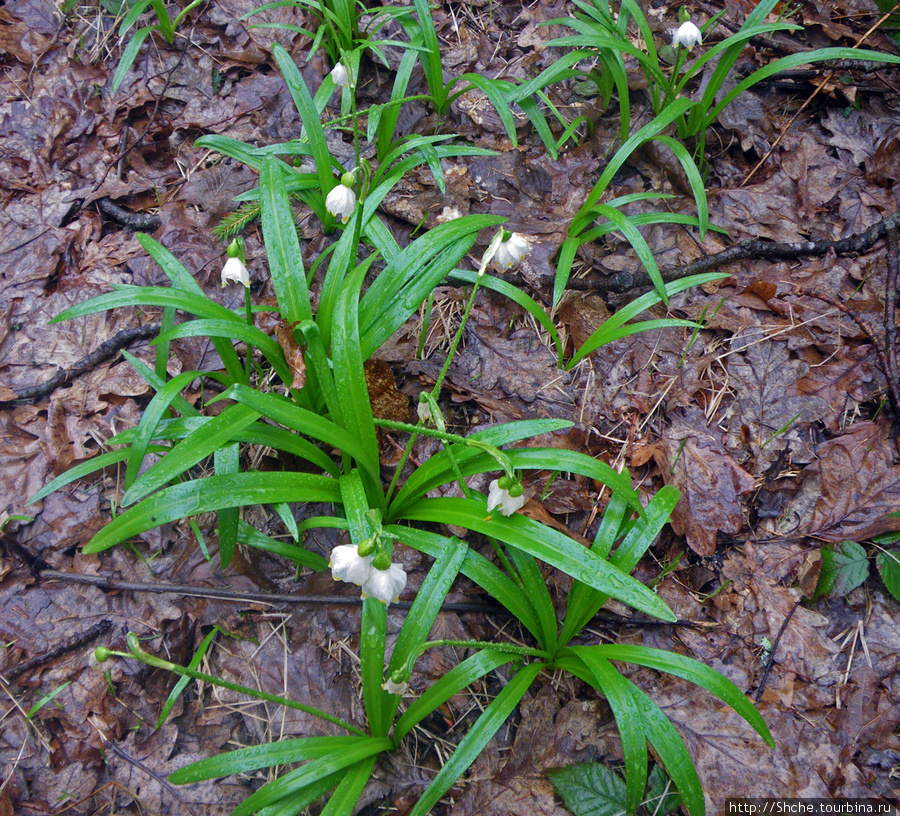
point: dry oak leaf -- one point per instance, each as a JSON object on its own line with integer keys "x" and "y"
{"x": 710, "y": 481}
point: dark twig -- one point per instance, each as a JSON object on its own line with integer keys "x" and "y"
{"x": 101, "y": 354}
{"x": 751, "y": 249}
{"x": 69, "y": 645}
{"x": 147, "y": 222}
{"x": 603, "y": 617}
{"x": 765, "y": 677}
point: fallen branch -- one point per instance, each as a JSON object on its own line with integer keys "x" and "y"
{"x": 101, "y": 354}
{"x": 751, "y": 249}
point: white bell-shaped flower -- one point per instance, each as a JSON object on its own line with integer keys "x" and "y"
{"x": 511, "y": 251}
{"x": 341, "y": 202}
{"x": 395, "y": 688}
{"x": 341, "y": 75}
{"x": 501, "y": 497}
{"x": 423, "y": 409}
{"x": 348, "y": 565}
{"x": 687, "y": 36}
{"x": 234, "y": 270}
{"x": 385, "y": 585}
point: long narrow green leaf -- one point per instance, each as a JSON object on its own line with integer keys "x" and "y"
{"x": 608, "y": 331}
{"x": 315, "y": 134}
{"x": 353, "y": 394}
{"x": 282, "y": 244}
{"x": 638, "y": 243}
{"x": 477, "y": 738}
{"x": 153, "y": 413}
{"x": 251, "y": 537}
{"x": 309, "y": 773}
{"x": 213, "y": 493}
{"x": 584, "y": 601}
{"x": 544, "y": 543}
{"x": 628, "y": 719}
{"x": 182, "y": 683}
{"x": 233, "y": 331}
{"x": 279, "y": 409}
{"x": 344, "y": 800}
{"x": 227, "y": 463}
{"x": 187, "y": 453}
{"x": 695, "y": 672}
{"x": 538, "y": 595}
{"x": 437, "y": 470}
{"x": 425, "y": 608}
{"x": 477, "y": 568}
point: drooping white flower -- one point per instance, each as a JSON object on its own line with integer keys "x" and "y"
{"x": 500, "y": 497}
{"x": 385, "y": 585}
{"x": 395, "y": 688}
{"x": 423, "y": 409}
{"x": 511, "y": 251}
{"x": 234, "y": 270}
{"x": 341, "y": 75}
{"x": 341, "y": 202}
{"x": 687, "y": 36}
{"x": 348, "y": 565}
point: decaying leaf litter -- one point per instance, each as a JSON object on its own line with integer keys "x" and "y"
{"x": 773, "y": 422}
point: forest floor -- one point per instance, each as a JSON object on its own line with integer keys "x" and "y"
{"x": 774, "y": 421}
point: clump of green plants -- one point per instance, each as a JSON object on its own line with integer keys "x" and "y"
{"x": 305, "y": 393}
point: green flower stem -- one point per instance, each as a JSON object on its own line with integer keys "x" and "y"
{"x": 436, "y": 391}
{"x": 248, "y": 306}
{"x": 439, "y": 424}
{"x": 159, "y": 663}
{"x": 444, "y": 436}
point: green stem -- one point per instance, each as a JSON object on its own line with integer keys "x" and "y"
{"x": 151, "y": 660}
{"x": 436, "y": 391}
{"x": 248, "y": 363}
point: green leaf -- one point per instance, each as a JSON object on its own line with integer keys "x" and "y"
{"x": 589, "y": 790}
{"x": 628, "y": 718}
{"x": 889, "y": 567}
{"x": 477, "y": 738}
{"x": 197, "y": 446}
{"x": 544, "y": 543}
{"x": 845, "y": 566}
{"x": 226, "y": 462}
{"x": 662, "y": 797}
{"x": 213, "y": 493}
{"x": 282, "y": 244}
{"x": 478, "y": 569}
{"x": 255, "y": 757}
{"x": 182, "y": 683}
{"x": 690, "y": 670}
{"x": 129, "y": 55}
{"x": 310, "y": 773}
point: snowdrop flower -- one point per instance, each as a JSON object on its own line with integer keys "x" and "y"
{"x": 340, "y": 75}
{"x": 348, "y": 565}
{"x": 687, "y": 36}
{"x": 511, "y": 251}
{"x": 385, "y": 585}
{"x": 234, "y": 270}
{"x": 341, "y": 201}
{"x": 392, "y": 687}
{"x": 507, "y": 499}
{"x": 423, "y": 409}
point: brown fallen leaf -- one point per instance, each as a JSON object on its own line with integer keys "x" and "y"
{"x": 711, "y": 482}
{"x": 293, "y": 353}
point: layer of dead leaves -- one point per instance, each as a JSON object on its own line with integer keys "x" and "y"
{"x": 770, "y": 423}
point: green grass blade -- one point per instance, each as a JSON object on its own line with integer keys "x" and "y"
{"x": 227, "y": 462}
{"x": 308, "y": 774}
{"x": 695, "y": 672}
{"x": 251, "y": 537}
